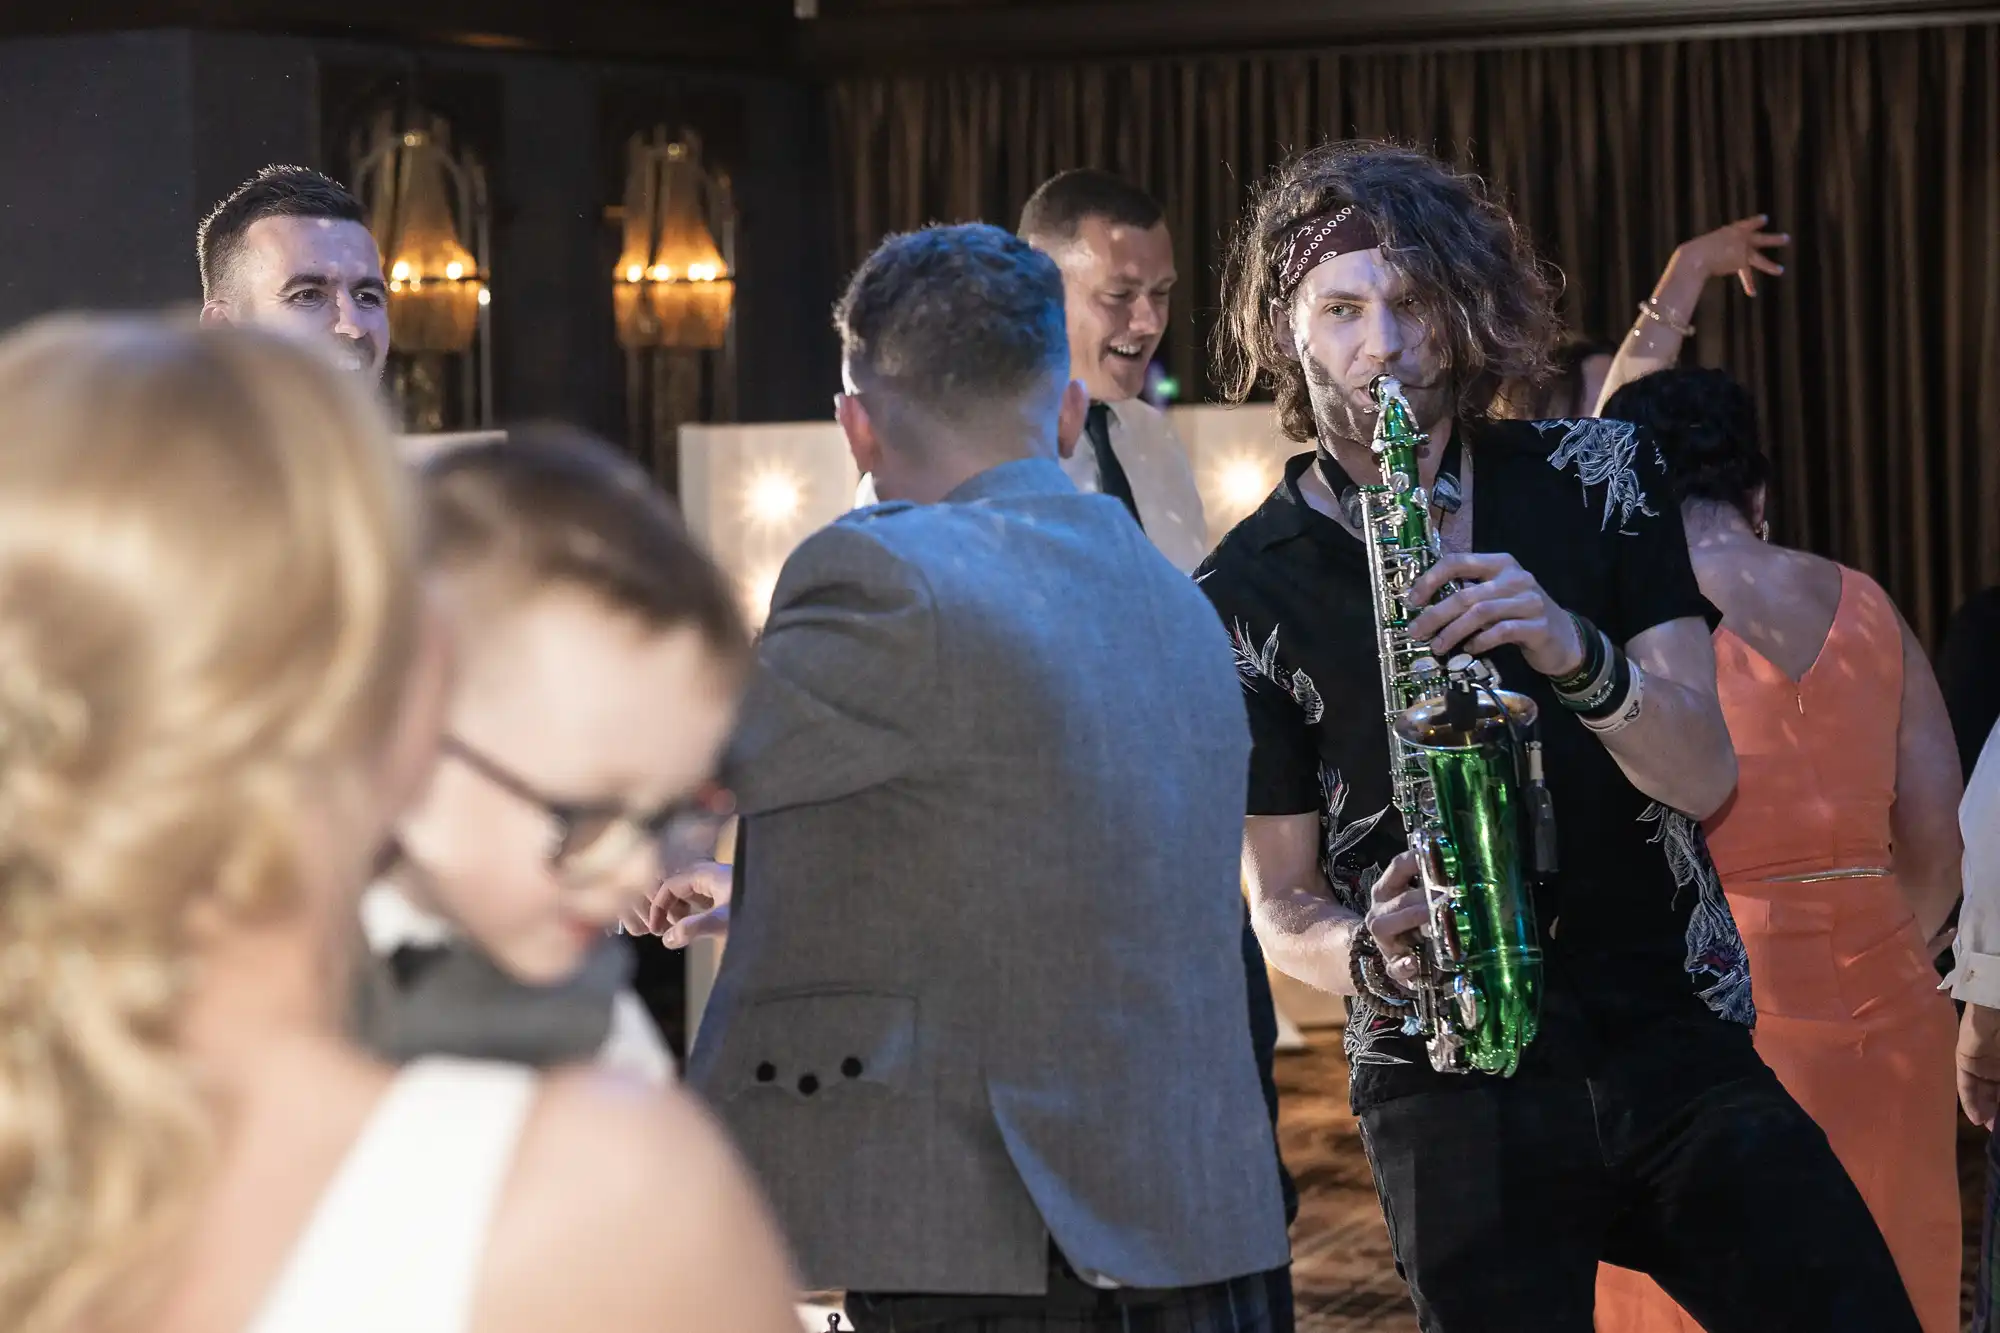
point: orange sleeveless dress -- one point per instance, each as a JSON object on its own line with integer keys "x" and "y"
{"x": 1848, "y": 1012}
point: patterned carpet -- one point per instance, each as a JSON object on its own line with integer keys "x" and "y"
{"x": 1342, "y": 1269}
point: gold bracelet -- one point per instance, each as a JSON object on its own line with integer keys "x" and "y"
{"x": 1650, "y": 308}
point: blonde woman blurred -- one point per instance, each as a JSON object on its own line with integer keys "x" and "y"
{"x": 217, "y": 686}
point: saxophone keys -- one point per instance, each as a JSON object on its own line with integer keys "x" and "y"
{"x": 1467, "y": 1000}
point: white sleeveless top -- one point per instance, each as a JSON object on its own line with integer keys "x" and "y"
{"x": 395, "y": 1242}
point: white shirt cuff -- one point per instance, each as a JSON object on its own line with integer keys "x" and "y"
{"x": 1976, "y": 979}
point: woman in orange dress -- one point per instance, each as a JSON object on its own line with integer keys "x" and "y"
{"x": 1839, "y": 850}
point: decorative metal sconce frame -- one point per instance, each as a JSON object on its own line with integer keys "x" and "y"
{"x": 673, "y": 295}
{"x": 428, "y": 208}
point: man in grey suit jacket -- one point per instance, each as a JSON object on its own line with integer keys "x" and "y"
{"x": 980, "y": 1025}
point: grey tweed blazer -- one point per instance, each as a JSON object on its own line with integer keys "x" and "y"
{"x": 984, "y": 983}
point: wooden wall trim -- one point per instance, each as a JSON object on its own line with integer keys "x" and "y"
{"x": 864, "y": 36}
{"x": 737, "y": 33}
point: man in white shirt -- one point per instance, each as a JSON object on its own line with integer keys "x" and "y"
{"x": 1976, "y": 981}
{"x": 1976, "y": 978}
{"x": 1110, "y": 239}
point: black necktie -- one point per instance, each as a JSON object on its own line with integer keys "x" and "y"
{"x": 1110, "y": 472}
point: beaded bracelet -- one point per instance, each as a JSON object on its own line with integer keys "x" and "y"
{"x": 1650, "y": 308}
{"x": 1370, "y": 971}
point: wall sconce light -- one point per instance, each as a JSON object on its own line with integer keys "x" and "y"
{"x": 675, "y": 283}
{"x": 427, "y": 207}
{"x": 673, "y": 295}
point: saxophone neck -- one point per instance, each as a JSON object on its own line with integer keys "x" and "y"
{"x": 1396, "y": 438}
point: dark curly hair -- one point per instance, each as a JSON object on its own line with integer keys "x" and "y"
{"x": 1706, "y": 425}
{"x": 1487, "y": 298}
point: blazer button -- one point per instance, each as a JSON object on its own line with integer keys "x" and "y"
{"x": 766, "y": 1072}
{"x": 808, "y": 1085}
{"x": 851, "y": 1067}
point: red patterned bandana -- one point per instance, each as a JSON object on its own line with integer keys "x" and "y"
{"x": 1318, "y": 239}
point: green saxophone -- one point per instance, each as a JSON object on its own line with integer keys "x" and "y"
{"x": 1462, "y": 762}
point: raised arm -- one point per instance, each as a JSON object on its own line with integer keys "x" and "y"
{"x": 1655, "y": 340}
{"x": 1923, "y": 823}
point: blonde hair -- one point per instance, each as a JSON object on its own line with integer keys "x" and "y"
{"x": 207, "y": 618}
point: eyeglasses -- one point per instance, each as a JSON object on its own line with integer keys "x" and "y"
{"x": 590, "y": 840}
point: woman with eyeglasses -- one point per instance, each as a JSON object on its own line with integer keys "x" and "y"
{"x": 599, "y": 659}
{"x": 219, "y": 683}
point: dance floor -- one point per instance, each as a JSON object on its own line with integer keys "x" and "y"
{"x": 1342, "y": 1270}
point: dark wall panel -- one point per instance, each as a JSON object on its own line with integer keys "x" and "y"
{"x": 254, "y": 103}
{"x": 556, "y": 353}
{"x": 788, "y": 358}
{"x": 96, "y": 189}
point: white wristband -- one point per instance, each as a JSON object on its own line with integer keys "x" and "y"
{"x": 1635, "y": 699}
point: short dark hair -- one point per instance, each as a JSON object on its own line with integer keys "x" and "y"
{"x": 948, "y": 318}
{"x": 550, "y": 507}
{"x": 274, "y": 192}
{"x": 1706, "y": 426}
{"x": 1055, "y": 210}
{"x": 1487, "y": 298}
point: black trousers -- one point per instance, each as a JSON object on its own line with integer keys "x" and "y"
{"x": 1257, "y": 1303}
{"x": 1502, "y": 1195}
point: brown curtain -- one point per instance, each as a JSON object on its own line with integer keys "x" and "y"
{"x": 1876, "y": 358}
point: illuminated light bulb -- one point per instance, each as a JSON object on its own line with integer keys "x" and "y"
{"x": 773, "y": 497}
{"x": 1243, "y": 483}
{"x": 395, "y": 286}
{"x": 702, "y": 272}
{"x": 454, "y": 270}
{"x": 635, "y": 272}
{"x": 401, "y": 270}
{"x": 485, "y": 296}
{"x": 663, "y": 273}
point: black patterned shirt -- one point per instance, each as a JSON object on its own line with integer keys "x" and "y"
{"x": 1634, "y": 926}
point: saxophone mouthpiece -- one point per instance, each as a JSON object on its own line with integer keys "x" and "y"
{"x": 1384, "y": 387}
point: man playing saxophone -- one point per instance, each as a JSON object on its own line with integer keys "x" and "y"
{"x": 1639, "y": 1127}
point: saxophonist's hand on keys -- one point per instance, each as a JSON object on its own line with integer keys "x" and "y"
{"x": 1497, "y": 602}
{"x": 1398, "y": 914}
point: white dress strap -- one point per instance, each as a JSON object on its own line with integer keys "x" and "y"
{"x": 396, "y": 1240}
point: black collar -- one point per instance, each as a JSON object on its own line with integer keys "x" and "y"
{"x": 1446, "y": 493}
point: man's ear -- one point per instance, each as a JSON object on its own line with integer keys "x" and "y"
{"x": 863, "y": 444}
{"x": 1070, "y": 418}
{"x": 215, "y": 312}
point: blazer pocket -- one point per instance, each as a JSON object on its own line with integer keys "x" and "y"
{"x": 812, "y": 1044}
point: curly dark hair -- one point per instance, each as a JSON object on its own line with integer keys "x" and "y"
{"x": 1486, "y": 295}
{"x": 1706, "y": 425}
